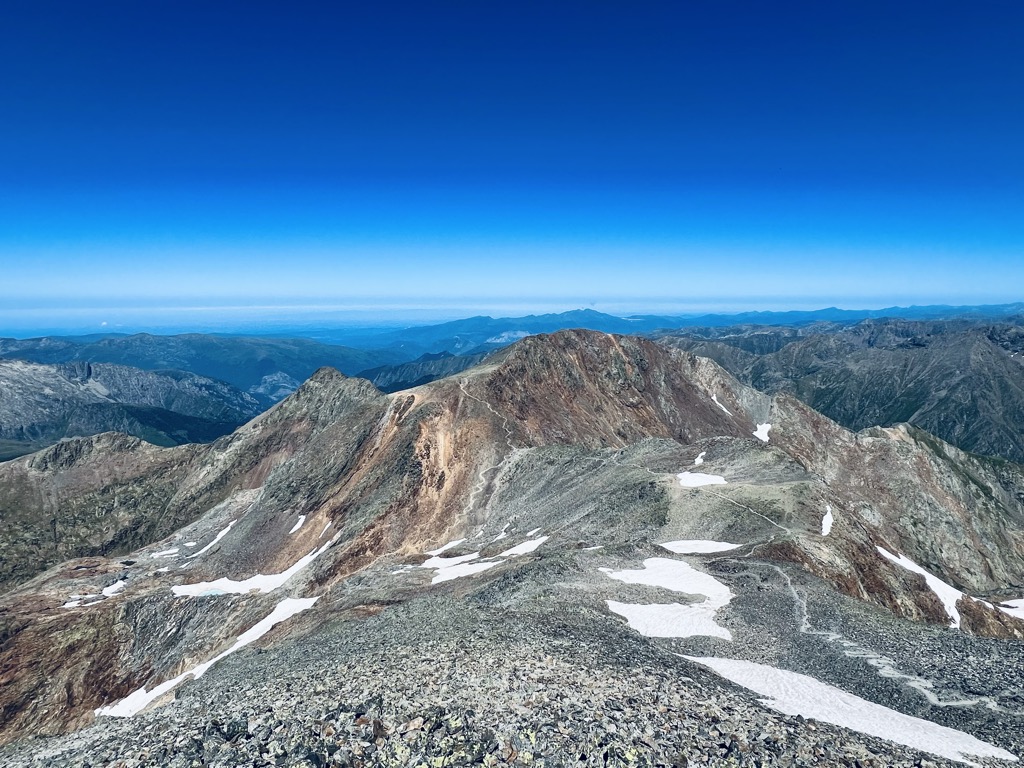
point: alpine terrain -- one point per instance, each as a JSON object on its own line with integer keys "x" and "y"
{"x": 588, "y": 549}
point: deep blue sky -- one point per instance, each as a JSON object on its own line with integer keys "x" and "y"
{"x": 736, "y": 154}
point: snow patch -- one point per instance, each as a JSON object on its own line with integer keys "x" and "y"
{"x": 1013, "y": 607}
{"x": 700, "y": 458}
{"x": 534, "y": 532}
{"x": 138, "y": 700}
{"x": 324, "y": 530}
{"x": 449, "y": 568}
{"x": 166, "y": 553}
{"x": 259, "y": 582}
{"x": 795, "y": 694}
{"x": 715, "y": 398}
{"x": 698, "y": 479}
{"x": 445, "y": 548}
{"x": 524, "y": 548}
{"x": 301, "y": 520}
{"x": 946, "y": 593}
{"x": 503, "y": 533}
{"x": 677, "y": 576}
{"x": 673, "y": 619}
{"x": 697, "y": 546}
{"x": 670, "y": 620}
{"x": 827, "y": 520}
{"x": 761, "y": 433}
{"x": 114, "y": 588}
{"x": 217, "y": 538}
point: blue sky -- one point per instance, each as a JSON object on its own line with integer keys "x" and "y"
{"x": 696, "y": 155}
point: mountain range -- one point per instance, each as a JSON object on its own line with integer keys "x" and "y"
{"x": 588, "y": 549}
{"x": 42, "y": 404}
{"x": 960, "y": 380}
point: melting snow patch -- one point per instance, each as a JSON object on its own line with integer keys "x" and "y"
{"x": 302, "y": 519}
{"x": 190, "y": 543}
{"x": 113, "y": 589}
{"x": 501, "y": 535}
{"x": 677, "y": 576}
{"x": 165, "y": 553}
{"x": 827, "y": 520}
{"x": 670, "y": 620}
{"x": 324, "y": 530}
{"x": 534, "y": 532}
{"x": 795, "y": 694}
{"x": 258, "y": 582}
{"x": 697, "y": 546}
{"x": 697, "y": 479}
{"x": 673, "y": 619}
{"x": 217, "y": 538}
{"x": 449, "y": 568}
{"x": 715, "y": 398}
{"x": 761, "y": 433}
{"x": 700, "y": 458}
{"x": 946, "y": 593}
{"x": 165, "y": 569}
{"x": 140, "y": 699}
{"x": 591, "y": 549}
{"x": 1014, "y": 608}
{"x": 524, "y": 548}
{"x": 445, "y": 548}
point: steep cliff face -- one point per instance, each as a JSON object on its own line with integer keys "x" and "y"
{"x": 558, "y": 445}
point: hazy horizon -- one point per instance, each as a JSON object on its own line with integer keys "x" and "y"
{"x": 455, "y": 159}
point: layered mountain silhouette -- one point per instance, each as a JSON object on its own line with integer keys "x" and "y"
{"x": 564, "y": 551}
{"x": 266, "y": 368}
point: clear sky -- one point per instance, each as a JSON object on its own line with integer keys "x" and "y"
{"x": 557, "y": 154}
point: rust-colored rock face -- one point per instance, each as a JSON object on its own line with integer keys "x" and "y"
{"x": 583, "y": 431}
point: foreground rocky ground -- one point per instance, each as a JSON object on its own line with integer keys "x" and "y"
{"x": 529, "y": 670}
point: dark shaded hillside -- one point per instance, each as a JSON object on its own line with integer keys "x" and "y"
{"x": 960, "y": 380}
{"x": 41, "y": 404}
{"x": 424, "y": 369}
{"x": 268, "y": 369}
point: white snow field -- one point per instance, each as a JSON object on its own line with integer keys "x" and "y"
{"x": 448, "y": 568}
{"x": 761, "y": 433}
{"x": 217, "y": 538}
{"x": 138, "y": 700}
{"x": 795, "y": 694}
{"x": 445, "y": 547}
{"x": 673, "y": 619}
{"x": 700, "y": 458}
{"x": 670, "y": 619}
{"x": 301, "y": 520}
{"x": 827, "y": 520}
{"x": 946, "y": 593}
{"x": 1014, "y": 608}
{"x": 259, "y": 582}
{"x": 698, "y": 479}
{"x": 524, "y": 548}
{"x": 697, "y": 546}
